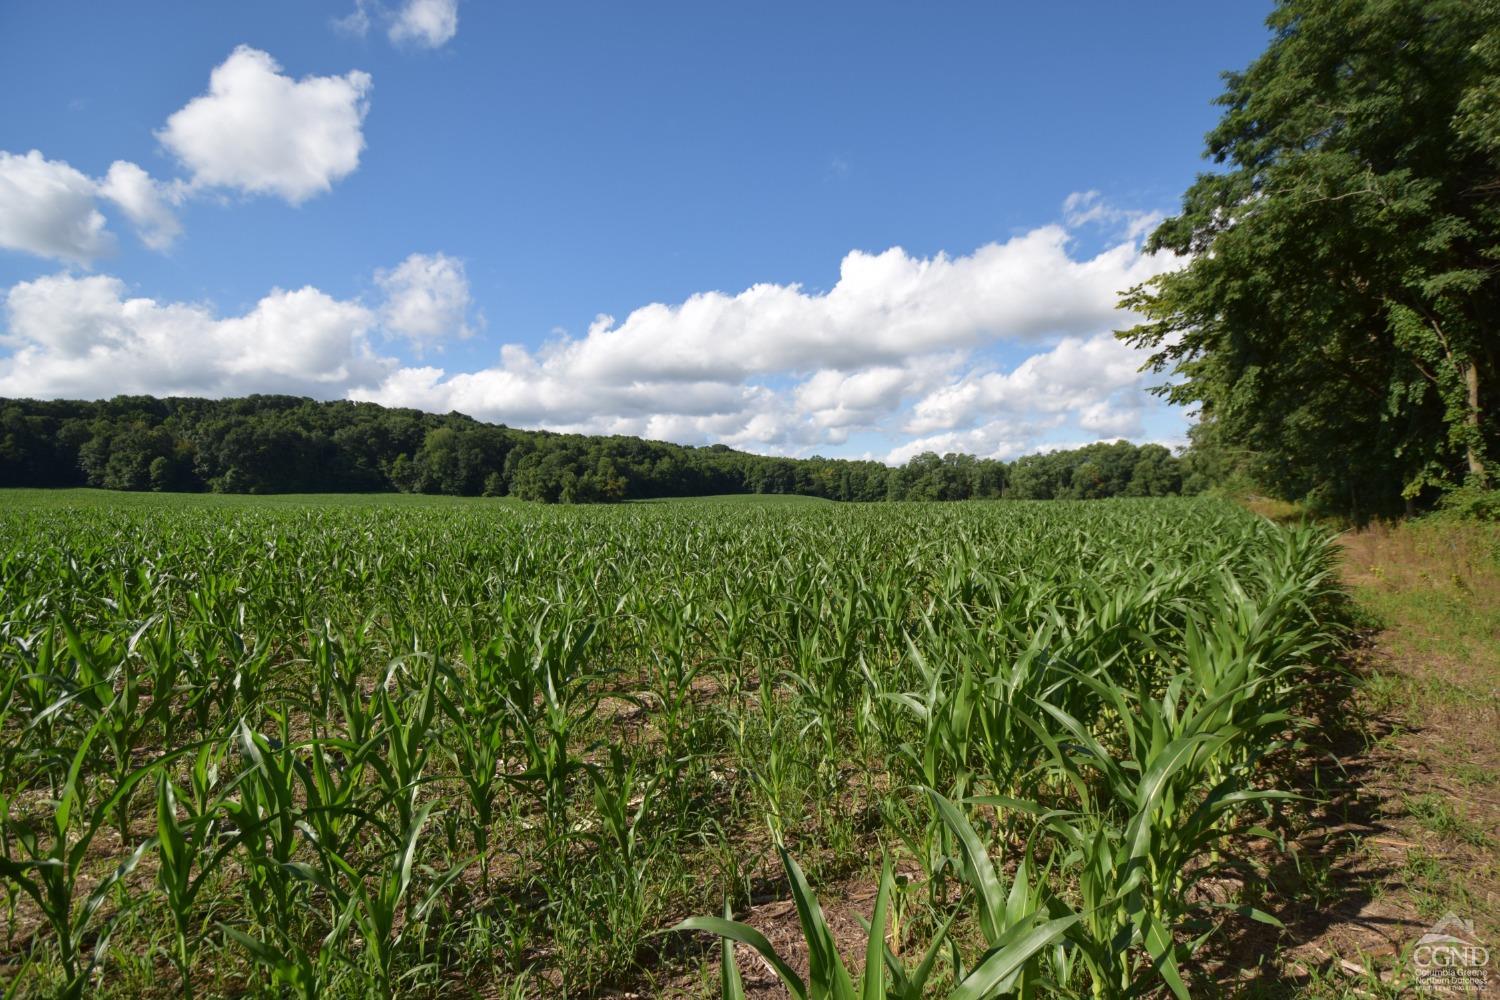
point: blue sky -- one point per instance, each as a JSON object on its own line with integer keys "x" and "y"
{"x": 846, "y": 229}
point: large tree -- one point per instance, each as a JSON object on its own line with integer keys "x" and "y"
{"x": 1339, "y": 314}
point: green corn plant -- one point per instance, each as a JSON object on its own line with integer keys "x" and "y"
{"x": 264, "y": 814}
{"x": 190, "y": 851}
{"x": 1009, "y": 687}
{"x": 51, "y": 861}
{"x": 218, "y": 601}
{"x": 39, "y": 695}
{"x": 731, "y": 983}
{"x": 823, "y": 702}
{"x": 828, "y": 978}
{"x": 547, "y": 729}
{"x": 407, "y": 726}
{"x": 293, "y": 968}
{"x": 883, "y": 975}
{"x": 944, "y": 709}
{"x": 478, "y": 736}
{"x": 374, "y": 910}
{"x": 1159, "y": 629}
{"x": 106, "y": 684}
{"x": 156, "y": 645}
{"x": 1018, "y": 923}
{"x": 776, "y": 771}
{"x": 201, "y": 657}
{"x": 336, "y": 681}
{"x": 887, "y": 719}
{"x": 734, "y": 623}
{"x": 332, "y": 776}
{"x": 9, "y": 780}
{"x": 845, "y": 625}
{"x": 375, "y": 903}
{"x": 1142, "y": 821}
{"x": 622, "y": 798}
{"x": 670, "y": 622}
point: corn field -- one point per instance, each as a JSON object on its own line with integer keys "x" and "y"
{"x": 363, "y": 748}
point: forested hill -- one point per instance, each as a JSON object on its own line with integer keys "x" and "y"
{"x": 287, "y": 444}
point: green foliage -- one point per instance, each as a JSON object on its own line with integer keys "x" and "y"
{"x": 281, "y": 444}
{"x": 1097, "y": 471}
{"x": 1472, "y": 503}
{"x": 1335, "y": 317}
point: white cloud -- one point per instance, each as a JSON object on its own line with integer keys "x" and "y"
{"x": 901, "y": 349}
{"x": 47, "y": 208}
{"x": 779, "y": 368}
{"x": 357, "y": 22}
{"x": 426, "y": 298}
{"x": 429, "y": 23}
{"x": 261, "y": 132}
{"x": 885, "y": 308}
{"x": 255, "y": 131}
{"x": 525, "y": 394}
{"x": 840, "y": 402}
{"x": 1091, "y": 384}
{"x": 50, "y": 209}
{"x": 425, "y": 23}
{"x": 1112, "y": 419}
{"x": 1075, "y": 374}
{"x": 146, "y": 202}
{"x": 1004, "y": 439}
{"x": 85, "y": 337}
{"x": 1083, "y": 208}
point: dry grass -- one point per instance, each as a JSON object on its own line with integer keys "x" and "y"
{"x": 1456, "y": 558}
{"x": 1434, "y": 587}
{"x": 1412, "y": 826}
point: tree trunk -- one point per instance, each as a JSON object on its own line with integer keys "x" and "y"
{"x": 1476, "y": 460}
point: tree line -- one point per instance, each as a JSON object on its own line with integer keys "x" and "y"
{"x": 287, "y": 444}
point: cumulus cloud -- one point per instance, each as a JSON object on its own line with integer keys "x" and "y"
{"x": 259, "y": 131}
{"x": 1091, "y": 384}
{"x": 1071, "y": 377}
{"x": 838, "y": 403}
{"x": 1003, "y": 439}
{"x": 51, "y": 209}
{"x": 885, "y": 307}
{"x": 47, "y": 208}
{"x": 1112, "y": 419}
{"x": 426, "y": 299}
{"x": 86, "y": 337}
{"x": 425, "y": 23}
{"x": 145, "y": 202}
{"x": 255, "y": 131}
{"x": 994, "y": 352}
{"x": 896, "y": 346}
{"x": 428, "y": 23}
{"x": 72, "y": 336}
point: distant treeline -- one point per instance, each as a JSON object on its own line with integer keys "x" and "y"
{"x": 287, "y": 444}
